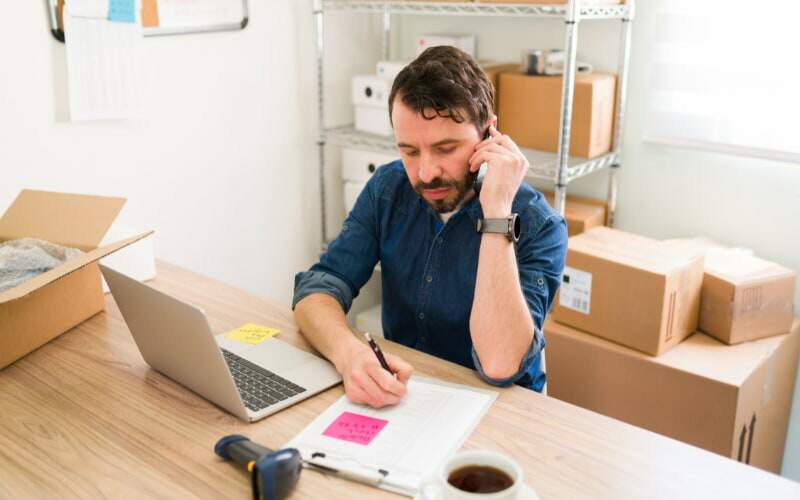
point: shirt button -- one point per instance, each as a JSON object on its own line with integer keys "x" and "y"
{"x": 421, "y": 315}
{"x": 429, "y": 278}
{"x": 540, "y": 281}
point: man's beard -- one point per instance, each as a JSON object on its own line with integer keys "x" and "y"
{"x": 445, "y": 205}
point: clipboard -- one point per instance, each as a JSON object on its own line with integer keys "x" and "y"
{"x": 394, "y": 448}
{"x": 152, "y": 24}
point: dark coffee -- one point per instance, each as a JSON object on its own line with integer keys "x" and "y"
{"x": 479, "y": 479}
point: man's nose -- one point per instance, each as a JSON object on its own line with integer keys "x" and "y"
{"x": 428, "y": 170}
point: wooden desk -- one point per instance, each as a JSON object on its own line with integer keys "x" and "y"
{"x": 84, "y": 416}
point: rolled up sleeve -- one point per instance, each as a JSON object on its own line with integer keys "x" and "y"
{"x": 350, "y": 259}
{"x": 537, "y": 344}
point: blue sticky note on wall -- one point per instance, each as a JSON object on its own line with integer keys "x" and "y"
{"x": 122, "y": 11}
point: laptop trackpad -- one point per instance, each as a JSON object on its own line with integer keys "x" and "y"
{"x": 273, "y": 354}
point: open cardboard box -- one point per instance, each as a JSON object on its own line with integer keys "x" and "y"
{"x": 46, "y": 306}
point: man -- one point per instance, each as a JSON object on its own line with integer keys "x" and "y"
{"x": 475, "y": 298}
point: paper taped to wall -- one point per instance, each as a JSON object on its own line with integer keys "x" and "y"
{"x": 103, "y": 59}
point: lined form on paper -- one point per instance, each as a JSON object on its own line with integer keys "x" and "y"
{"x": 419, "y": 433}
{"x": 103, "y": 59}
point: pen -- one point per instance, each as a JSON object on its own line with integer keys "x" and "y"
{"x": 378, "y": 352}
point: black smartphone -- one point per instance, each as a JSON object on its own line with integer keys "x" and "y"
{"x": 481, "y": 173}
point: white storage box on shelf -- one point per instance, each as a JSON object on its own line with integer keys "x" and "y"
{"x": 357, "y": 168}
{"x": 463, "y": 42}
{"x": 358, "y": 165}
{"x": 390, "y": 69}
{"x": 370, "y": 95}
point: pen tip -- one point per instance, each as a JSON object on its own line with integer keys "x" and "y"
{"x": 367, "y": 336}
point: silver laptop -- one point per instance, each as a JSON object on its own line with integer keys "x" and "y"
{"x": 250, "y": 381}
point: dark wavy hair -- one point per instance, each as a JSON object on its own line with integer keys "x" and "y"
{"x": 448, "y": 82}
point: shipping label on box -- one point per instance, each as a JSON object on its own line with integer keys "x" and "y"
{"x": 576, "y": 290}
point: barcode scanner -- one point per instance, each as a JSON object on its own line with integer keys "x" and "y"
{"x": 273, "y": 474}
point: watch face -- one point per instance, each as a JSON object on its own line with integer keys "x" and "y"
{"x": 515, "y": 227}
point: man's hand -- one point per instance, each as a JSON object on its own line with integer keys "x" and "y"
{"x": 507, "y": 168}
{"x": 365, "y": 380}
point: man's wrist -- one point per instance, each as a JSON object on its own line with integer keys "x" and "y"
{"x": 345, "y": 350}
{"x": 496, "y": 211}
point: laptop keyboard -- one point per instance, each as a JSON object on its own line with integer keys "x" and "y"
{"x": 259, "y": 388}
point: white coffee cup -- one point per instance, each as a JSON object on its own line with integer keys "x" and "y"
{"x": 438, "y": 488}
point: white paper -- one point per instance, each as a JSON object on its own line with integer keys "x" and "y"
{"x": 576, "y": 290}
{"x": 430, "y": 423}
{"x": 103, "y": 62}
{"x": 189, "y": 13}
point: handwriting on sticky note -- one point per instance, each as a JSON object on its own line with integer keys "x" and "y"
{"x": 251, "y": 333}
{"x": 355, "y": 428}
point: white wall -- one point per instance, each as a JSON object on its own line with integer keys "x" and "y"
{"x": 664, "y": 193}
{"x": 221, "y": 163}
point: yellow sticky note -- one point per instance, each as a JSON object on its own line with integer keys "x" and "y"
{"x": 251, "y": 333}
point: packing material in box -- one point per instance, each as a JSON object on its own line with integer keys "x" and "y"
{"x": 530, "y": 112}
{"x": 745, "y": 298}
{"x": 731, "y": 400}
{"x": 42, "y": 308}
{"x": 581, "y": 213}
{"x": 630, "y": 289}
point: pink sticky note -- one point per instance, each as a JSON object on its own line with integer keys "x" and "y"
{"x": 355, "y": 428}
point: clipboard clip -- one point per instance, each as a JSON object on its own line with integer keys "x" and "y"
{"x": 353, "y": 472}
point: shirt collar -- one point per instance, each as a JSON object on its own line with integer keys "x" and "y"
{"x": 472, "y": 208}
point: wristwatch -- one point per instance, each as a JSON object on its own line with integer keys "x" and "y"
{"x": 510, "y": 226}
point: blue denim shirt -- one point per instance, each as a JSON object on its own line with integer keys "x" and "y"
{"x": 428, "y": 268}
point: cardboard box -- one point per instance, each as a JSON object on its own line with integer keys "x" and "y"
{"x": 745, "y": 298}
{"x": 731, "y": 400}
{"x": 530, "y": 112}
{"x": 581, "y": 213}
{"x": 492, "y": 70}
{"x": 630, "y": 289}
{"x": 39, "y": 310}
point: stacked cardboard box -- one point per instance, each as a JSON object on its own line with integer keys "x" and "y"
{"x": 530, "y": 112}
{"x": 581, "y": 213}
{"x": 623, "y": 340}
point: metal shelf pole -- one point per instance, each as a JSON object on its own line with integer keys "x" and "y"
{"x": 320, "y": 49}
{"x": 387, "y": 26}
{"x": 571, "y": 21}
{"x": 622, "y": 89}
